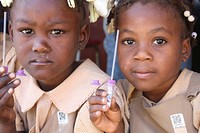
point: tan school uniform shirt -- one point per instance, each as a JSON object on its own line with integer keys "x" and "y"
{"x": 10, "y": 55}
{"x": 37, "y": 111}
{"x": 177, "y": 112}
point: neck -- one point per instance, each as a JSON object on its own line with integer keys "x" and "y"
{"x": 48, "y": 85}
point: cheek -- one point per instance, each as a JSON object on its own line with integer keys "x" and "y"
{"x": 120, "y": 57}
{"x": 169, "y": 64}
{"x": 124, "y": 60}
{"x": 65, "y": 53}
{"x": 20, "y": 49}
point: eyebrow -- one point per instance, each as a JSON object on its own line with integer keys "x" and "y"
{"x": 53, "y": 22}
{"x": 161, "y": 29}
{"x": 125, "y": 30}
{"x": 25, "y": 21}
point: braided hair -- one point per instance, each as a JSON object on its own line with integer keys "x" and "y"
{"x": 176, "y": 7}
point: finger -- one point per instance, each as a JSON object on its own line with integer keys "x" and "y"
{"x": 101, "y": 92}
{"x": 114, "y": 106}
{"x": 2, "y": 70}
{"x": 94, "y": 116}
{"x": 10, "y": 101}
{"x": 94, "y": 108}
{"x": 6, "y": 79}
{"x": 97, "y": 100}
{"x": 114, "y": 112}
{"x": 12, "y": 84}
{"x": 6, "y": 98}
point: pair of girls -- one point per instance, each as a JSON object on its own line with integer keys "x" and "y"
{"x": 154, "y": 39}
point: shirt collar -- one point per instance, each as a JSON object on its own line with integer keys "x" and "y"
{"x": 69, "y": 95}
{"x": 179, "y": 86}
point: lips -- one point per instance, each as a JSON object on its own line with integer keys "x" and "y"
{"x": 143, "y": 73}
{"x": 41, "y": 62}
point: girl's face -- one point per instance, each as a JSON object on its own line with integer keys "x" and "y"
{"x": 150, "y": 48}
{"x": 47, "y": 35}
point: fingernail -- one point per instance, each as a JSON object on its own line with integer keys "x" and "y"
{"x": 16, "y": 82}
{"x": 12, "y": 75}
{"x": 104, "y": 107}
{"x": 103, "y": 100}
{"x": 104, "y": 93}
{"x": 10, "y": 91}
{"x": 1, "y": 69}
{"x": 97, "y": 112}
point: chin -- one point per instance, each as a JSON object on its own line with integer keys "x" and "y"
{"x": 41, "y": 75}
{"x": 142, "y": 86}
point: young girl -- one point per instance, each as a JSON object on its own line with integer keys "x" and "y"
{"x": 154, "y": 39}
{"x": 52, "y": 97}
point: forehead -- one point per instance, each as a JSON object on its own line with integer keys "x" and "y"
{"x": 43, "y": 7}
{"x": 33, "y": 3}
{"x": 149, "y": 15}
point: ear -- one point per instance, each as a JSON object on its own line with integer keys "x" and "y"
{"x": 84, "y": 36}
{"x": 186, "y": 49}
{"x": 10, "y": 29}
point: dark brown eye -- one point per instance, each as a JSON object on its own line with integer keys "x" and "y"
{"x": 128, "y": 42}
{"x": 56, "y": 32}
{"x": 159, "y": 41}
{"x": 27, "y": 31}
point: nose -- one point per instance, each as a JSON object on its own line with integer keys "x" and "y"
{"x": 40, "y": 46}
{"x": 143, "y": 53}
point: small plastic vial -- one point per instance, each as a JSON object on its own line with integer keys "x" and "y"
{"x": 20, "y": 73}
{"x": 110, "y": 85}
{"x": 95, "y": 82}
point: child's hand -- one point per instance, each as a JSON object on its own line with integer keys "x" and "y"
{"x": 104, "y": 118}
{"x": 7, "y": 85}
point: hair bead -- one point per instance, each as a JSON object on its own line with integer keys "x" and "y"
{"x": 194, "y": 35}
{"x": 187, "y": 13}
{"x": 191, "y": 18}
